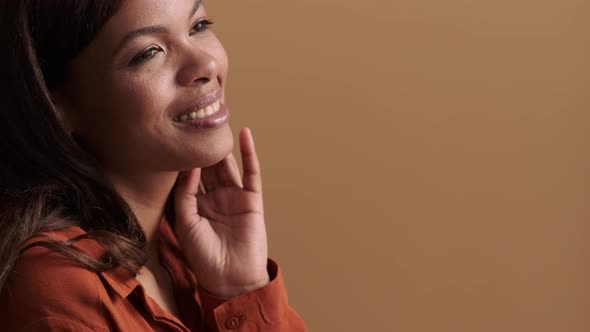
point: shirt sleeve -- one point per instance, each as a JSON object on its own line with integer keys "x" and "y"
{"x": 264, "y": 309}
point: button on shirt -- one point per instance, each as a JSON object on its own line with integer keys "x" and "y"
{"x": 45, "y": 291}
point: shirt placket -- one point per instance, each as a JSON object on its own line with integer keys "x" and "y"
{"x": 159, "y": 315}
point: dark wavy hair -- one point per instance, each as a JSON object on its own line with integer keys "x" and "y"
{"x": 48, "y": 181}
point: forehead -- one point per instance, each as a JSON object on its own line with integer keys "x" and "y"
{"x": 173, "y": 15}
{"x": 136, "y": 14}
{"x": 140, "y": 12}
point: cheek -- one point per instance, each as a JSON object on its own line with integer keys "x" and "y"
{"x": 117, "y": 104}
{"x": 127, "y": 113}
{"x": 139, "y": 98}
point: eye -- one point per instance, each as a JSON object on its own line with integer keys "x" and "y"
{"x": 201, "y": 26}
{"x": 144, "y": 56}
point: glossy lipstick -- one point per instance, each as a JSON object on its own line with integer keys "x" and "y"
{"x": 207, "y": 112}
{"x": 214, "y": 120}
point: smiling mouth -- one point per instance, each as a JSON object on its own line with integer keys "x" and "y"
{"x": 200, "y": 113}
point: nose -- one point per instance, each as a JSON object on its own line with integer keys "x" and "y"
{"x": 198, "y": 66}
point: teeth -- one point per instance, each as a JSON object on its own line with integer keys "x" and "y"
{"x": 202, "y": 113}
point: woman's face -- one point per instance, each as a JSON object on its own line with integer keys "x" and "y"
{"x": 144, "y": 95}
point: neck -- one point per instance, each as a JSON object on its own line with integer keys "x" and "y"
{"x": 146, "y": 195}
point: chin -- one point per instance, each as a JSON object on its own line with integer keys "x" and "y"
{"x": 214, "y": 151}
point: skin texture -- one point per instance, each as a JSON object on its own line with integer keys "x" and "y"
{"x": 124, "y": 114}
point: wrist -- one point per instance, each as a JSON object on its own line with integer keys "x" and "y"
{"x": 226, "y": 291}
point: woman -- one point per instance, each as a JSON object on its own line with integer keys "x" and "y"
{"x": 122, "y": 206}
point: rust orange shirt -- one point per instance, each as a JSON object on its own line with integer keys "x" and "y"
{"x": 46, "y": 291}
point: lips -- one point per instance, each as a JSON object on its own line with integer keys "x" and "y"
{"x": 199, "y": 114}
{"x": 204, "y": 106}
{"x": 215, "y": 120}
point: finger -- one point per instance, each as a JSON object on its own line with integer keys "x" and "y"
{"x": 228, "y": 173}
{"x": 185, "y": 200}
{"x": 209, "y": 178}
{"x": 252, "y": 180}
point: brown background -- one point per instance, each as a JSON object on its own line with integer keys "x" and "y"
{"x": 425, "y": 162}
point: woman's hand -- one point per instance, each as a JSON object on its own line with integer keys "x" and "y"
{"x": 222, "y": 231}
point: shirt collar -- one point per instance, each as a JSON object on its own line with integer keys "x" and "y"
{"x": 119, "y": 279}
{"x": 122, "y": 281}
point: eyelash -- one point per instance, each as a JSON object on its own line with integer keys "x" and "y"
{"x": 150, "y": 52}
{"x": 206, "y": 22}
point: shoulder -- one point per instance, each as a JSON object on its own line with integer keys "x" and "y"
{"x": 44, "y": 284}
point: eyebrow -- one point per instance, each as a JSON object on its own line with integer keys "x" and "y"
{"x": 150, "y": 29}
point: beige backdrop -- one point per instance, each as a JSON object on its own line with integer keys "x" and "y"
{"x": 426, "y": 163}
